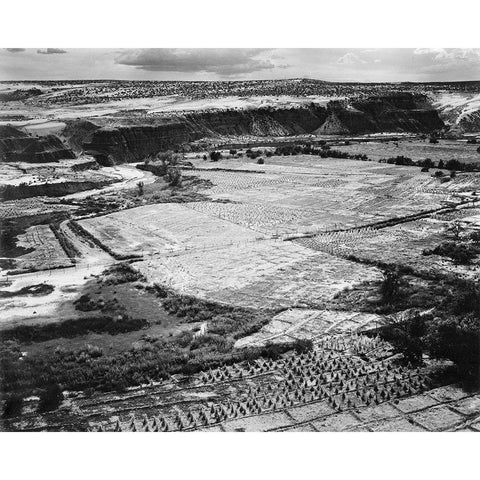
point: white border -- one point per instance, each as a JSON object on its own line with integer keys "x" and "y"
{"x": 245, "y": 23}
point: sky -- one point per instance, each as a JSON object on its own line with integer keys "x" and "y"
{"x": 330, "y": 64}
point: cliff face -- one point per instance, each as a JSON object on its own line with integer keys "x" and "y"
{"x": 16, "y": 146}
{"x": 134, "y": 143}
{"x": 130, "y": 144}
{"x": 387, "y": 113}
{"x": 403, "y": 112}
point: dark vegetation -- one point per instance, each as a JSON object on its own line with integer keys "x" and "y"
{"x": 90, "y": 368}
{"x": 72, "y": 328}
{"x": 324, "y": 152}
{"x": 450, "y": 330}
{"x": 166, "y": 165}
{"x": 460, "y": 252}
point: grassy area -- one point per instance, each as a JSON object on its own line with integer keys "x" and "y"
{"x": 147, "y": 356}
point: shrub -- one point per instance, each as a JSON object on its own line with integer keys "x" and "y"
{"x": 390, "y": 285}
{"x": 454, "y": 165}
{"x": 13, "y": 406}
{"x": 260, "y": 161}
{"x": 466, "y": 298}
{"x": 460, "y": 253}
{"x": 50, "y": 398}
{"x": 427, "y": 163}
{"x": 406, "y": 336}
{"x": 215, "y": 156}
{"x": 174, "y": 177}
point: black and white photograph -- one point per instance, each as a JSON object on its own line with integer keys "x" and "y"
{"x": 239, "y": 239}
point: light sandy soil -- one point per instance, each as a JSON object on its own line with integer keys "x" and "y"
{"x": 127, "y": 176}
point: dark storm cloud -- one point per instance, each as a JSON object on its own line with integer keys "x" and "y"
{"x": 15, "y": 50}
{"x": 228, "y": 61}
{"x": 50, "y": 51}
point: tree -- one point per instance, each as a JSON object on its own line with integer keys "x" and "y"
{"x": 390, "y": 285}
{"x": 457, "y": 339}
{"x": 455, "y": 228}
{"x": 426, "y": 163}
{"x": 215, "y": 156}
{"x": 174, "y": 177}
{"x": 453, "y": 165}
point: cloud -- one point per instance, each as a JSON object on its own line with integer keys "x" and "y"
{"x": 15, "y": 50}
{"x": 350, "y": 59}
{"x": 450, "y": 54}
{"x": 449, "y": 61}
{"x": 50, "y": 51}
{"x": 221, "y": 61}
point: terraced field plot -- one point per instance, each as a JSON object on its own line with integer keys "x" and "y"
{"x": 313, "y": 194}
{"x": 347, "y": 383}
{"x": 47, "y": 254}
{"x": 164, "y": 228}
{"x": 400, "y": 244}
{"x": 263, "y": 274}
{"x": 301, "y": 324}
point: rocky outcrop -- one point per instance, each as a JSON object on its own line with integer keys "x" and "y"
{"x": 78, "y": 132}
{"x": 17, "y": 146}
{"x": 399, "y": 112}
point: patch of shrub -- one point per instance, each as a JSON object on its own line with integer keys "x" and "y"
{"x": 390, "y": 286}
{"x": 457, "y": 339}
{"x": 50, "y": 398}
{"x": 460, "y": 252}
{"x": 13, "y": 406}
{"x": 73, "y": 328}
{"x": 215, "y": 156}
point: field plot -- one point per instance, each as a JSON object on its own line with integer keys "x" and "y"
{"x": 266, "y": 274}
{"x": 164, "y": 228}
{"x": 401, "y": 244}
{"x": 261, "y": 217}
{"x": 324, "y": 194}
{"x": 29, "y": 207}
{"x": 416, "y": 150}
{"x": 47, "y": 254}
{"x": 301, "y": 324}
